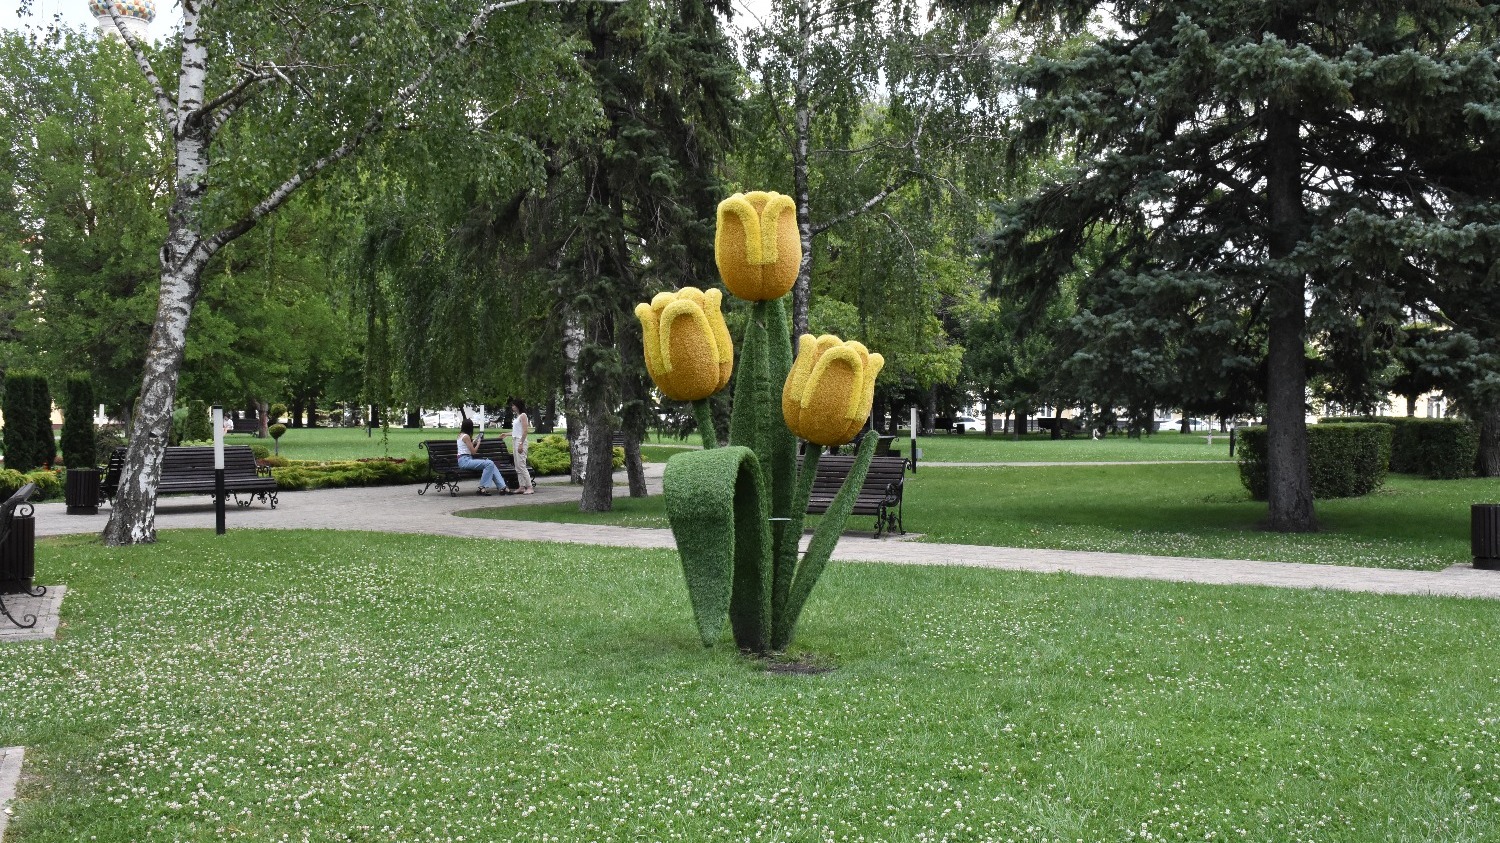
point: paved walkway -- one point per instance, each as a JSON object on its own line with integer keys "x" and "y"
{"x": 400, "y": 509}
{"x": 10, "y": 777}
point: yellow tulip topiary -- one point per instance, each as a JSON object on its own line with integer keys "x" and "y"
{"x": 830, "y": 390}
{"x": 688, "y": 350}
{"x": 757, "y": 246}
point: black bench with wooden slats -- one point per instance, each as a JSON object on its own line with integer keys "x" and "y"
{"x": 250, "y": 425}
{"x": 443, "y": 470}
{"x": 18, "y": 553}
{"x": 880, "y": 495}
{"x": 190, "y": 469}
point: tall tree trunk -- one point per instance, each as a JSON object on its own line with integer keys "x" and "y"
{"x": 1290, "y": 484}
{"x": 599, "y": 481}
{"x": 263, "y": 412}
{"x": 132, "y": 518}
{"x": 578, "y": 431}
{"x": 296, "y": 407}
{"x": 1488, "y": 464}
{"x": 801, "y": 184}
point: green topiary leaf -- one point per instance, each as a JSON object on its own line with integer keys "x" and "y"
{"x": 716, "y": 503}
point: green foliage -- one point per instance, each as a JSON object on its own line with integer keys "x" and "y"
{"x": 197, "y": 424}
{"x": 1441, "y": 449}
{"x": 302, "y": 475}
{"x": 106, "y": 439}
{"x": 278, "y": 411}
{"x": 276, "y": 430}
{"x": 549, "y": 456}
{"x": 49, "y": 484}
{"x": 10, "y": 481}
{"x": 78, "y": 435}
{"x": 27, "y": 435}
{"x": 260, "y": 451}
{"x": 1345, "y": 460}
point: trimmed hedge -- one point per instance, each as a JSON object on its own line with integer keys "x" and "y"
{"x": 1441, "y": 449}
{"x": 296, "y": 476}
{"x": 550, "y": 456}
{"x": 27, "y": 408}
{"x": 1345, "y": 460}
{"x": 48, "y": 484}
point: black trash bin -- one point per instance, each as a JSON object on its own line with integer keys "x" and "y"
{"x": 1484, "y": 535}
{"x": 81, "y": 491}
{"x": 18, "y": 553}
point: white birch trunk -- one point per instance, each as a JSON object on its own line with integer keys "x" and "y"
{"x": 801, "y": 140}
{"x": 132, "y": 517}
{"x": 578, "y": 431}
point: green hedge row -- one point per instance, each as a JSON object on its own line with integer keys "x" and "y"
{"x": 1345, "y": 460}
{"x": 297, "y": 476}
{"x": 550, "y": 456}
{"x": 49, "y": 484}
{"x": 27, "y": 407}
{"x": 1437, "y": 448}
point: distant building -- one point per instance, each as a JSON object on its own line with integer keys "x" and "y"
{"x": 135, "y": 16}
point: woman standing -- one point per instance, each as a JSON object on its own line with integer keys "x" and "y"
{"x": 467, "y": 459}
{"x": 520, "y": 430}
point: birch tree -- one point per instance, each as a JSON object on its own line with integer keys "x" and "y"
{"x": 324, "y": 79}
{"x": 821, "y": 68}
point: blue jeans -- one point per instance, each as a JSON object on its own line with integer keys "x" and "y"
{"x": 490, "y": 476}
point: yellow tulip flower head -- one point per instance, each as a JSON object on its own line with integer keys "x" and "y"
{"x": 830, "y": 390}
{"x": 757, "y": 246}
{"x": 688, "y": 350}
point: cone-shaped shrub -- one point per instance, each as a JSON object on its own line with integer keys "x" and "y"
{"x": 24, "y": 448}
{"x": 78, "y": 424}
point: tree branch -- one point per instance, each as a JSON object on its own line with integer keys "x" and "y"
{"x": 819, "y": 228}
{"x": 162, "y": 102}
{"x": 279, "y": 196}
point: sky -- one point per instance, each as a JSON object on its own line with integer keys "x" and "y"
{"x": 75, "y": 13}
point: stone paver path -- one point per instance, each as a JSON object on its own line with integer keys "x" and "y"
{"x": 400, "y": 509}
{"x": 10, "y": 776}
{"x": 47, "y": 609}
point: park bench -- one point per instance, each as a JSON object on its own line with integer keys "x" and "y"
{"x": 880, "y": 495}
{"x": 18, "y": 554}
{"x": 443, "y": 470}
{"x": 250, "y": 425}
{"x": 190, "y": 469}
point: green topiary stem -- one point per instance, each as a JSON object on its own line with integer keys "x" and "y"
{"x": 703, "y": 411}
{"x": 823, "y": 541}
{"x": 785, "y": 567}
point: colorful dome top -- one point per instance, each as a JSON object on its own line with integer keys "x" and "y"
{"x": 140, "y": 9}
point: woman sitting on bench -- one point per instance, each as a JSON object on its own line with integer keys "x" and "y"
{"x": 489, "y": 473}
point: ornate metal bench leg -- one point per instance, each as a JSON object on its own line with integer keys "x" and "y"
{"x": 29, "y": 620}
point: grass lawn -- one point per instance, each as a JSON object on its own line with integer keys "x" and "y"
{"x": 345, "y": 443}
{"x": 349, "y": 443}
{"x": 1165, "y": 510}
{"x": 976, "y": 447}
{"x": 343, "y": 686}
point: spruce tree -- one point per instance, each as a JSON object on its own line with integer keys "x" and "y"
{"x": 1227, "y": 160}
